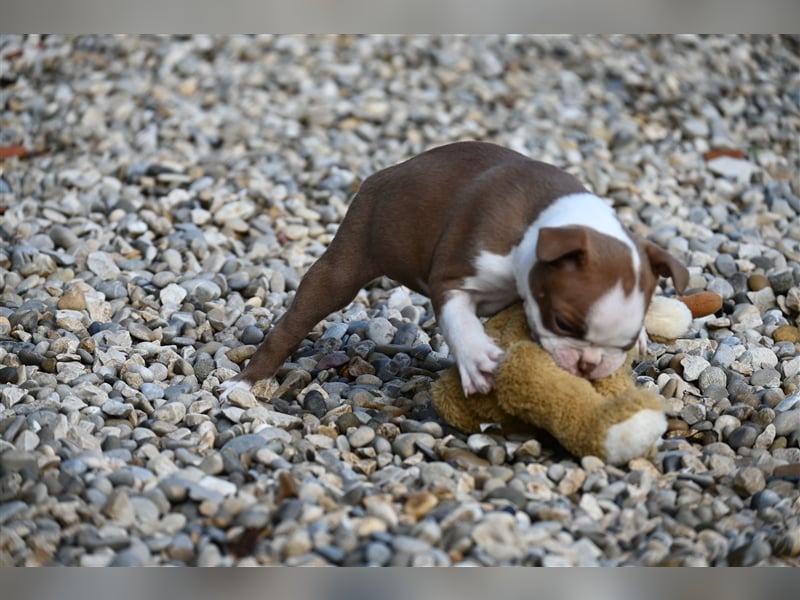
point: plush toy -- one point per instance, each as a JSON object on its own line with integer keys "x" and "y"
{"x": 609, "y": 418}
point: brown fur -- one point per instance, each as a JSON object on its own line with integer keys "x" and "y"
{"x": 421, "y": 223}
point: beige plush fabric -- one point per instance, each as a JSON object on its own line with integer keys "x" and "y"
{"x": 531, "y": 391}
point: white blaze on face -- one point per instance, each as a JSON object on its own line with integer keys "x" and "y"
{"x": 616, "y": 318}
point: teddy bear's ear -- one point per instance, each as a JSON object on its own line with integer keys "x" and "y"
{"x": 561, "y": 243}
{"x": 664, "y": 264}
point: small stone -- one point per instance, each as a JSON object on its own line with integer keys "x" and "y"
{"x": 361, "y": 436}
{"x": 768, "y": 378}
{"x": 419, "y": 504}
{"x": 252, "y": 335}
{"x": 703, "y": 304}
{"x": 242, "y": 398}
{"x": 693, "y": 366}
{"x": 381, "y": 331}
{"x": 120, "y": 508}
{"x": 182, "y": 548}
{"x": 693, "y": 413}
{"x": 529, "y": 448}
{"x": 405, "y": 444}
{"x": 172, "y": 294}
{"x": 763, "y": 299}
{"x": 750, "y": 553}
{"x": 571, "y": 482}
{"x": 171, "y": 412}
{"x": 742, "y": 437}
{"x": 787, "y": 422}
{"x": 786, "y": 333}
{"x": 757, "y": 282}
{"x": 27, "y": 441}
{"x": 152, "y": 391}
{"x": 748, "y": 481}
{"x": 237, "y": 210}
{"x": 217, "y": 485}
{"x": 71, "y": 320}
{"x": 11, "y": 375}
{"x": 726, "y": 265}
{"x": 8, "y": 510}
{"x": 712, "y": 376}
{"x": 102, "y": 265}
{"x": 766, "y": 438}
{"x": 696, "y": 127}
{"x": 204, "y": 290}
{"x": 733, "y": 168}
{"x": 73, "y": 299}
{"x": 63, "y": 236}
{"x": 782, "y": 281}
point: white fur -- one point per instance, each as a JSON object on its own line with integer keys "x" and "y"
{"x": 634, "y": 436}
{"x": 476, "y": 355}
{"x": 493, "y": 285}
{"x": 228, "y": 386}
{"x": 616, "y": 318}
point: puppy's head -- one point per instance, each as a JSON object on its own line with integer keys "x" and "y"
{"x": 589, "y": 293}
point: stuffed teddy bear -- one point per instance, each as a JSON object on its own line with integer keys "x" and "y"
{"x": 609, "y": 418}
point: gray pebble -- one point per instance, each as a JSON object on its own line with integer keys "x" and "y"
{"x": 63, "y": 237}
{"x": 787, "y": 422}
{"x": 712, "y": 376}
{"x": 768, "y": 378}
{"x": 380, "y": 331}
{"x": 693, "y": 366}
{"x": 742, "y": 437}
{"x": 405, "y": 444}
{"x": 182, "y": 548}
{"x": 361, "y": 436}
{"x": 101, "y": 264}
{"x": 252, "y": 335}
{"x": 725, "y": 265}
{"x": 204, "y": 290}
{"x": 782, "y": 281}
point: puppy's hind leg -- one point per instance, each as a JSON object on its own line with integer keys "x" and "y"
{"x": 329, "y": 285}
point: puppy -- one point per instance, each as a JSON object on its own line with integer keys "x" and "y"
{"x": 476, "y": 227}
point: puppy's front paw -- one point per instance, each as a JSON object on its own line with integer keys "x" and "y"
{"x": 476, "y": 366}
{"x": 226, "y": 387}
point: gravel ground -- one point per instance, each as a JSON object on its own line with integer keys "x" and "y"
{"x": 160, "y": 199}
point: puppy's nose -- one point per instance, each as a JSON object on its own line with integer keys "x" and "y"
{"x": 590, "y": 358}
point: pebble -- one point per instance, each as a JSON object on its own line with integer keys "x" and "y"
{"x": 103, "y": 265}
{"x": 138, "y": 275}
{"x": 693, "y": 366}
{"x": 787, "y": 422}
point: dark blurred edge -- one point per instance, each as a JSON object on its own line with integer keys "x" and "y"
{"x": 399, "y": 584}
{"x": 420, "y": 16}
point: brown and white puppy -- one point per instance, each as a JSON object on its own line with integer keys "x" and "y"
{"x": 476, "y": 227}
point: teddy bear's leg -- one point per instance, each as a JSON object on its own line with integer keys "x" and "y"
{"x": 637, "y": 434}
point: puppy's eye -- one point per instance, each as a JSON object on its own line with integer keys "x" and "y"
{"x": 566, "y": 328}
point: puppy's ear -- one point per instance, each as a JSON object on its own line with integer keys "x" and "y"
{"x": 566, "y": 244}
{"x": 664, "y": 264}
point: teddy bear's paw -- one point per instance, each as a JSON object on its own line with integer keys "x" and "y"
{"x": 634, "y": 436}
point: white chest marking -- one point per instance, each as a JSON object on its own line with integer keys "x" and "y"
{"x": 493, "y": 286}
